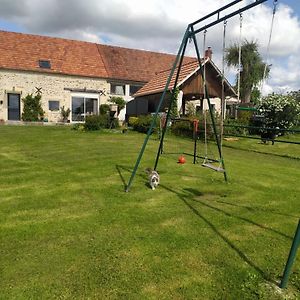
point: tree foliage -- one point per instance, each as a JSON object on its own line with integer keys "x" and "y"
{"x": 252, "y": 67}
{"x": 280, "y": 111}
{"x": 119, "y": 101}
{"x": 32, "y": 109}
{"x": 174, "y": 105}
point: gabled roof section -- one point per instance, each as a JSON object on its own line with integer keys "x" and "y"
{"x": 157, "y": 83}
{"x": 20, "y": 51}
{"x": 136, "y": 65}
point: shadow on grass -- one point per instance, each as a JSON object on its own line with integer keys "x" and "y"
{"x": 119, "y": 168}
{"x": 242, "y": 218}
{"x": 185, "y": 197}
{"x": 123, "y": 169}
{"x": 253, "y": 209}
{"x": 188, "y": 195}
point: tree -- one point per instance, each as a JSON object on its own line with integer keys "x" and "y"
{"x": 252, "y": 67}
{"x": 32, "y": 110}
{"x": 119, "y": 101}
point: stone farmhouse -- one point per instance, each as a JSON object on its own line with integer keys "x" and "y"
{"x": 71, "y": 74}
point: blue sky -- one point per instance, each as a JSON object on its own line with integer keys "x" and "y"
{"x": 159, "y": 25}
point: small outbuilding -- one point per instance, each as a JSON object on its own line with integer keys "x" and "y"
{"x": 190, "y": 86}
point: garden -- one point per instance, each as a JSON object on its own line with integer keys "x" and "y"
{"x": 68, "y": 229}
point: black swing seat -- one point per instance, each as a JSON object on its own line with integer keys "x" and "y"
{"x": 213, "y": 167}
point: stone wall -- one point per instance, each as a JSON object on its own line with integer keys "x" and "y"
{"x": 53, "y": 87}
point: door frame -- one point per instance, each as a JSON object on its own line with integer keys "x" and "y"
{"x": 19, "y": 96}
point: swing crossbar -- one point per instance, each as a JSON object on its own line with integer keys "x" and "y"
{"x": 213, "y": 167}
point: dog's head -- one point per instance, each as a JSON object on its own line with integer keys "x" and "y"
{"x": 154, "y": 181}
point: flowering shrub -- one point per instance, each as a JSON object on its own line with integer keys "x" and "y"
{"x": 280, "y": 111}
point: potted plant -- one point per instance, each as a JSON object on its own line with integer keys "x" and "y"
{"x": 65, "y": 114}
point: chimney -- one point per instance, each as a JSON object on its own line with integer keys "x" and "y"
{"x": 208, "y": 53}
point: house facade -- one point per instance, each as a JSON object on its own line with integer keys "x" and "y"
{"x": 71, "y": 74}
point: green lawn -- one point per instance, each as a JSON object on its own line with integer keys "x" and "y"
{"x": 68, "y": 229}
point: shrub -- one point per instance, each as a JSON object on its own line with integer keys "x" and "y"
{"x": 190, "y": 109}
{"x": 280, "y": 111}
{"x": 133, "y": 121}
{"x": 229, "y": 127}
{"x": 104, "y": 108}
{"x": 32, "y": 110}
{"x": 96, "y": 122}
{"x": 244, "y": 117}
{"x": 182, "y": 128}
{"x": 78, "y": 127}
{"x": 143, "y": 123}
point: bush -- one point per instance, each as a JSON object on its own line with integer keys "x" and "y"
{"x": 229, "y": 127}
{"x": 143, "y": 123}
{"x": 96, "y": 122}
{"x": 104, "y": 108}
{"x": 182, "y": 128}
{"x": 78, "y": 127}
{"x": 32, "y": 110}
{"x": 280, "y": 111}
{"x": 244, "y": 117}
{"x": 133, "y": 121}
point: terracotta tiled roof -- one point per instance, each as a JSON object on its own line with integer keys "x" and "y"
{"x": 135, "y": 65}
{"x": 20, "y": 51}
{"x": 23, "y": 51}
{"x": 158, "y": 83}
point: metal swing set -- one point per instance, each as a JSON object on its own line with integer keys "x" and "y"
{"x": 193, "y": 29}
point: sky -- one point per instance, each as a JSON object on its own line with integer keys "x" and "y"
{"x": 158, "y": 25}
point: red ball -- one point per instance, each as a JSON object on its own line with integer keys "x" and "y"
{"x": 181, "y": 159}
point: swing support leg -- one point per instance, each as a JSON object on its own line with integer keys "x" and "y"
{"x": 182, "y": 46}
{"x": 291, "y": 258}
{"x": 170, "y": 104}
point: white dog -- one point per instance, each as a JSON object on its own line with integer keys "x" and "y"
{"x": 153, "y": 178}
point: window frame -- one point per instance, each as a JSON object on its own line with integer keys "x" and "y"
{"x": 113, "y": 90}
{"x": 57, "y": 102}
{"x": 134, "y": 86}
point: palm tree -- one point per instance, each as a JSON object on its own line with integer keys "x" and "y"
{"x": 252, "y": 67}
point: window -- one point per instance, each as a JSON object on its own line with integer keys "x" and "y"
{"x": 82, "y": 107}
{"x": 117, "y": 89}
{"x": 45, "y": 64}
{"x": 53, "y": 105}
{"x": 133, "y": 89}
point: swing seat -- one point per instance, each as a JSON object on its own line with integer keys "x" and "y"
{"x": 213, "y": 167}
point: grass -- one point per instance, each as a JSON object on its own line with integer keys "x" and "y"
{"x": 68, "y": 230}
{"x": 279, "y": 149}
